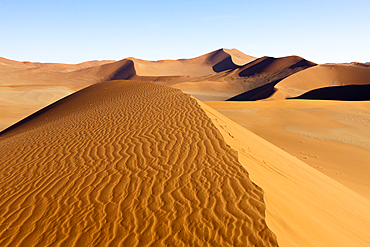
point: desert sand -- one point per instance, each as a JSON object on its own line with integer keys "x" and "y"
{"x": 331, "y": 136}
{"x": 125, "y": 163}
{"x": 124, "y": 158}
{"x": 54, "y": 81}
{"x": 322, "y": 76}
{"x": 304, "y": 207}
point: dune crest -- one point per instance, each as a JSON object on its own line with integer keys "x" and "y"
{"x": 24, "y": 78}
{"x": 125, "y": 163}
{"x": 303, "y": 206}
{"x": 322, "y": 76}
{"x": 210, "y": 63}
{"x": 262, "y": 74}
{"x": 70, "y": 67}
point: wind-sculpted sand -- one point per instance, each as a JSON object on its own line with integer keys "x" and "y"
{"x": 26, "y": 77}
{"x": 304, "y": 207}
{"x": 323, "y": 76}
{"x": 125, "y": 163}
{"x": 331, "y": 136}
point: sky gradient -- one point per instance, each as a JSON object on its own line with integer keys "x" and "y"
{"x": 76, "y": 31}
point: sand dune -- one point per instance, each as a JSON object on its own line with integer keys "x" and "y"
{"x": 18, "y": 102}
{"x": 28, "y": 87}
{"x": 321, "y": 76}
{"x": 261, "y": 75}
{"x": 265, "y": 71}
{"x": 216, "y": 61}
{"x": 332, "y": 137}
{"x": 349, "y": 92}
{"x": 29, "y": 77}
{"x": 67, "y": 67}
{"x": 125, "y": 163}
{"x": 88, "y": 73}
{"x": 134, "y": 163}
{"x": 266, "y": 65}
{"x": 304, "y": 207}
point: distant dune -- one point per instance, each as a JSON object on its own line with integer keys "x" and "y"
{"x": 264, "y": 73}
{"x": 322, "y": 76}
{"x": 331, "y": 136}
{"x": 304, "y": 207}
{"x": 70, "y": 67}
{"x": 27, "y": 87}
{"x": 111, "y": 153}
{"x": 349, "y": 92}
{"x": 218, "y": 75}
{"x": 207, "y": 64}
{"x": 125, "y": 163}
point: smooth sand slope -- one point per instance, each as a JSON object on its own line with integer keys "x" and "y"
{"x": 304, "y": 207}
{"x": 331, "y": 136}
{"x": 232, "y": 83}
{"x": 322, "y": 76}
{"x": 26, "y": 87}
{"x": 125, "y": 163}
{"x": 210, "y": 63}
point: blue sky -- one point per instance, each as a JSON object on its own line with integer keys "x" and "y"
{"x": 76, "y": 31}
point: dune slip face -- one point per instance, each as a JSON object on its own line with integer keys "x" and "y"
{"x": 125, "y": 163}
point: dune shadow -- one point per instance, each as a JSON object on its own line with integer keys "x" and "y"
{"x": 257, "y": 66}
{"x": 258, "y": 93}
{"x": 349, "y": 92}
{"x": 226, "y": 64}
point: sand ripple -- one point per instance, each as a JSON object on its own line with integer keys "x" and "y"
{"x": 125, "y": 164}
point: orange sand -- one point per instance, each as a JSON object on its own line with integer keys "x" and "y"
{"x": 20, "y": 80}
{"x": 125, "y": 163}
{"x": 304, "y": 207}
{"x": 331, "y": 136}
{"x": 325, "y": 75}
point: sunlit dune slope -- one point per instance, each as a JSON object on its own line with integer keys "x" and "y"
{"x": 331, "y": 136}
{"x": 348, "y": 92}
{"x": 26, "y": 87}
{"x": 67, "y": 67}
{"x": 304, "y": 207}
{"x": 84, "y": 74}
{"x": 266, "y": 65}
{"x": 327, "y": 75}
{"x": 125, "y": 163}
{"x": 233, "y": 83}
{"x": 211, "y": 63}
{"x": 259, "y": 75}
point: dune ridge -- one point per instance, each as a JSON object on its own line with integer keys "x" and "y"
{"x": 262, "y": 74}
{"x": 13, "y": 63}
{"x": 88, "y": 73}
{"x": 19, "y": 81}
{"x": 304, "y": 207}
{"x": 322, "y": 76}
{"x": 331, "y": 136}
{"x": 235, "y": 82}
{"x": 125, "y": 163}
{"x": 210, "y": 63}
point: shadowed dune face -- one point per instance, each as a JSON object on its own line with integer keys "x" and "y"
{"x": 304, "y": 206}
{"x": 125, "y": 163}
{"x": 331, "y": 136}
{"x": 269, "y": 64}
{"x": 261, "y": 75}
{"x": 27, "y": 87}
{"x": 24, "y": 78}
{"x": 211, "y": 63}
{"x": 327, "y": 75}
{"x": 350, "y": 92}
